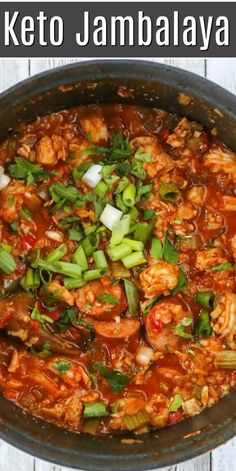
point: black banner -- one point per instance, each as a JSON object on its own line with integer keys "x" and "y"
{"x": 117, "y": 29}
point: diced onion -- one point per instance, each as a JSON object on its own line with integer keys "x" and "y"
{"x": 93, "y": 175}
{"x": 110, "y": 216}
{"x": 144, "y": 355}
{"x": 4, "y": 181}
{"x": 54, "y": 235}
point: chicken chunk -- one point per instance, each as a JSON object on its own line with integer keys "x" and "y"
{"x": 68, "y": 411}
{"x": 182, "y": 132}
{"x": 186, "y": 211}
{"x": 159, "y": 279}
{"x": 209, "y": 258}
{"x": 197, "y": 195}
{"x": 161, "y": 161}
{"x": 51, "y": 149}
{"x": 11, "y": 201}
{"x": 221, "y": 160}
{"x": 224, "y": 318}
{"x": 95, "y": 128}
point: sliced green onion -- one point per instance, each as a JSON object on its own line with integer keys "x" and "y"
{"x": 95, "y": 409}
{"x": 45, "y": 276}
{"x": 134, "y": 244}
{"x": 226, "y": 359}
{"x": 203, "y": 326}
{"x": 143, "y": 231}
{"x": 169, "y": 252}
{"x": 149, "y": 214}
{"x": 134, "y": 259}
{"x": 56, "y": 254}
{"x": 32, "y": 279}
{"x": 68, "y": 269}
{"x": 132, "y": 296}
{"x": 120, "y": 229}
{"x": 119, "y": 251}
{"x": 58, "y": 191}
{"x": 129, "y": 195}
{"x": 205, "y": 299}
{"x": 90, "y": 244}
{"x": 100, "y": 259}
{"x": 134, "y": 213}
{"x": 176, "y": 403}
{"x": 95, "y": 274}
{"x": 156, "y": 248}
{"x": 101, "y": 189}
{"x": 136, "y": 421}
{"x": 6, "y": 247}
{"x": 118, "y": 270}
{"x": 90, "y": 230}
{"x": 182, "y": 282}
{"x": 79, "y": 258}
{"x": 72, "y": 283}
{"x": 222, "y": 266}
{"x": 170, "y": 192}
{"x": 7, "y": 262}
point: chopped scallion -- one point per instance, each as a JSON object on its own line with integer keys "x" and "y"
{"x": 134, "y": 259}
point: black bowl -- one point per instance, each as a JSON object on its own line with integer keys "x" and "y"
{"x": 123, "y": 81}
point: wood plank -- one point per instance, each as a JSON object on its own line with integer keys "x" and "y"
{"x": 12, "y": 459}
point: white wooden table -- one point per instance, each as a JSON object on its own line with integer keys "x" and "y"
{"x": 222, "y": 71}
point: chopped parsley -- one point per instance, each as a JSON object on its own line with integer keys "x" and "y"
{"x": 41, "y": 318}
{"x": 108, "y": 298}
{"x": 62, "y": 366}
{"x": 180, "y": 328}
{"x": 176, "y": 403}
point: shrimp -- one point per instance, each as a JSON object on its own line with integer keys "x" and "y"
{"x": 182, "y": 132}
{"x": 221, "y": 160}
{"x": 95, "y": 127}
{"x": 101, "y": 300}
{"x": 161, "y": 161}
{"x": 224, "y": 318}
{"x": 159, "y": 279}
{"x": 209, "y": 258}
{"x": 160, "y": 324}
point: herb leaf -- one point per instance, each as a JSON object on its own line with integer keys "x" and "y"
{"x": 182, "y": 282}
{"x": 169, "y": 252}
{"x": 108, "y": 298}
{"x": 176, "y": 403}
{"x": 62, "y": 366}
{"x": 25, "y": 170}
{"x": 203, "y": 326}
{"x": 180, "y": 328}
{"x": 41, "y": 318}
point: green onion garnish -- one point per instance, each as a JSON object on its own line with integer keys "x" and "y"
{"x": 132, "y": 296}
{"x": 56, "y": 254}
{"x": 95, "y": 274}
{"x": 95, "y": 409}
{"x": 68, "y": 269}
{"x": 79, "y": 258}
{"x": 72, "y": 283}
{"x": 129, "y": 195}
{"x": 7, "y": 262}
{"x": 119, "y": 251}
{"x": 205, "y": 299}
{"x": 134, "y": 259}
{"x": 170, "y": 192}
{"x": 156, "y": 248}
{"x": 100, "y": 259}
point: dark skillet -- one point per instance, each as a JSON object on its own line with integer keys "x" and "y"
{"x": 154, "y": 85}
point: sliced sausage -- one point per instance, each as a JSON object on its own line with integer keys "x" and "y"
{"x": 126, "y": 329}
